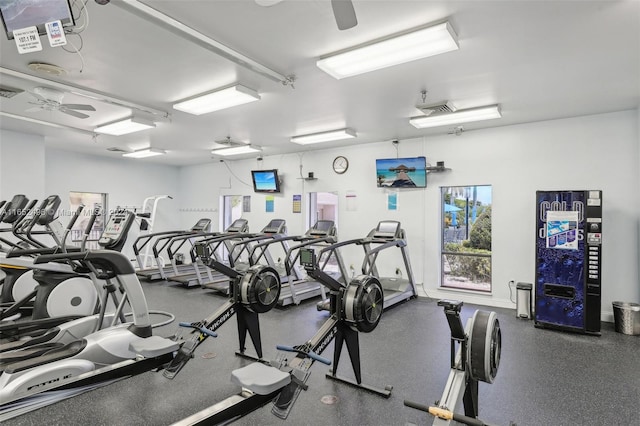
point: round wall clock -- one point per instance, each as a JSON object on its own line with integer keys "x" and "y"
{"x": 340, "y": 164}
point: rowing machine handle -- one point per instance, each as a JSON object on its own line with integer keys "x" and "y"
{"x": 441, "y": 413}
{"x": 204, "y": 330}
{"x": 310, "y": 354}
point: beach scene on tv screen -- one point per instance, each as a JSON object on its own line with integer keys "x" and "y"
{"x": 265, "y": 181}
{"x": 401, "y": 172}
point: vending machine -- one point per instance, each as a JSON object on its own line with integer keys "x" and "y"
{"x": 568, "y": 260}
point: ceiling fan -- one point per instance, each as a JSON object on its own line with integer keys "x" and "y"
{"x": 343, "y": 11}
{"x": 47, "y": 99}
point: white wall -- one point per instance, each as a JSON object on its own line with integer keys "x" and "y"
{"x": 592, "y": 152}
{"x": 22, "y": 165}
{"x": 127, "y": 181}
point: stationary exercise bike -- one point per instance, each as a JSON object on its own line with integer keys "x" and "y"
{"x": 356, "y": 307}
{"x": 477, "y": 360}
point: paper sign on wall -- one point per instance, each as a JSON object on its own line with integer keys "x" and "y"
{"x": 297, "y": 203}
{"x": 55, "y": 33}
{"x": 269, "y": 204}
{"x": 352, "y": 201}
{"x": 562, "y": 229}
{"x": 27, "y": 40}
{"x": 392, "y": 201}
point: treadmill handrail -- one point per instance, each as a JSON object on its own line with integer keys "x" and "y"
{"x": 184, "y": 239}
{"x": 148, "y": 237}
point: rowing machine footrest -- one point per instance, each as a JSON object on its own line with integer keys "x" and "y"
{"x": 259, "y": 378}
{"x": 153, "y": 346}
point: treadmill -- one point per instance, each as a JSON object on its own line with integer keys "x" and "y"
{"x": 296, "y": 287}
{"x": 201, "y": 275}
{"x": 159, "y": 241}
{"x": 388, "y": 234}
{"x": 239, "y": 248}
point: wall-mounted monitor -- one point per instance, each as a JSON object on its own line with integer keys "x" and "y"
{"x": 265, "y": 180}
{"x": 410, "y": 172}
{"x": 18, "y": 14}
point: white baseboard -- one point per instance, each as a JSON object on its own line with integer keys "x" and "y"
{"x": 482, "y": 299}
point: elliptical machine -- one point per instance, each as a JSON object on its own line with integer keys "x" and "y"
{"x": 54, "y": 295}
{"x": 117, "y": 351}
{"x": 476, "y": 360}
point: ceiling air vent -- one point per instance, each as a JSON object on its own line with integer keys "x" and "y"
{"x": 443, "y": 107}
{"x": 9, "y": 92}
{"x": 116, "y": 149}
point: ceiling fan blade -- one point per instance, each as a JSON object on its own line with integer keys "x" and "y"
{"x": 267, "y": 3}
{"x": 37, "y": 96}
{"x": 81, "y": 107}
{"x": 344, "y": 13}
{"x": 72, "y": 112}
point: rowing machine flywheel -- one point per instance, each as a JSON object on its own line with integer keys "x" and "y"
{"x": 485, "y": 343}
{"x": 363, "y": 302}
{"x": 260, "y": 288}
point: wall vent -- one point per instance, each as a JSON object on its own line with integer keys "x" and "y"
{"x": 9, "y": 92}
{"x": 443, "y": 107}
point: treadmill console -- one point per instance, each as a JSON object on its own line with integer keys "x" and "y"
{"x": 238, "y": 225}
{"x": 323, "y": 228}
{"x": 276, "y": 226}
{"x": 116, "y": 230}
{"x": 203, "y": 225}
{"x": 386, "y": 230}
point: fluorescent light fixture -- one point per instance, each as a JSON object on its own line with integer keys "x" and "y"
{"x": 144, "y": 153}
{"x": 122, "y": 127}
{"x": 235, "y": 150}
{"x": 332, "y": 135}
{"x": 217, "y": 100}
{"x": 460, "y": 116}
{"x": 394, "y": 50}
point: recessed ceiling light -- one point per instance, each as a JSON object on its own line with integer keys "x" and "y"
{"x": 122, "y": 127}
{"x": 217, "y": 100}
{"x": 235, "y": 150}
{"x": 393, "y": 50}
{"x": 331, "y": 135}
{"x": 144, "y": 153}
{"x": 460, "y": 116}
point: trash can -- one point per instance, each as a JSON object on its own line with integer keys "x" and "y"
{"x": 627, "y": 318}
{"x": 524, "y": 302}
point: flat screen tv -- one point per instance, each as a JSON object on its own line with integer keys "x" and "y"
{"x": 265, "y": 180}
{"x": 409, "y": 172}
{"x": 18, "y": 14}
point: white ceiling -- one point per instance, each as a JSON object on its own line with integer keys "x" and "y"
{"x": 538, "y": 59}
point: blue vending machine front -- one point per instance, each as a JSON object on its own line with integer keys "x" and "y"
{"x": 568, "y": 260}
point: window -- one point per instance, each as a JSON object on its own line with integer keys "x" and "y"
{"x": 91, "y": 201}
{"x": 466, "y": 237}
{"x": 232, "y": 209}
{"x": 322, "y": 206}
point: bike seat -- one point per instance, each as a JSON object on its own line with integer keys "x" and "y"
{"x": 259, "y": 378}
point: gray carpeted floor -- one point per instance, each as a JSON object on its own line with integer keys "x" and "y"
{"x": 545, "y": 377}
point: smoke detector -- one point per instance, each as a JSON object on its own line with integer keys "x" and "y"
{"x": 9, "y": 92}
{"x": 48, "y": 69}
{"x": 443, "y": 107}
